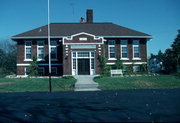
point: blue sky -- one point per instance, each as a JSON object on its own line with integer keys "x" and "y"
{"x": 159, "y": 18}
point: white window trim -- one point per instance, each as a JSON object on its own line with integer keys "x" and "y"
{"x": 124, "y": 58}
{"x": 25, "y": 59}
{"x": 109, "y": 50}
{"x": 75, "y": 71}
{"x": 54, "y": 59}
{"x": 122, "y": 45}
{"x": 112, "y": 58}
{"x": 25, "y": 69}
{"x": 38, "y": 59}
{"x": 136, "y": 45}
{"x": 28, "y": 60}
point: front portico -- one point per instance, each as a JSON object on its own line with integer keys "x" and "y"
{"x": 83, "y": 63}
{"x": 81, "y": 54}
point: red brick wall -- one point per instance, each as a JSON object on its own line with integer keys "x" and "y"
{"x": 66, "y": 60}
{"x": 142, "y": 45}
{"x": 21, "y": 55}
{"x": 20, "y": 70}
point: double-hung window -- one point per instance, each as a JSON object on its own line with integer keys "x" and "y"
{"x": 54, "y": 71}
{"x": 111, "y": 48}
{"x": 124, "y": 49}
{"x": 40, "y": 50}
{"x": 28, "y": 50}
{"x": 26, "y": 71}
{"x": 53, "y": 45}
{"x": 41, "y": 71}
{"x": 136, "y": 49}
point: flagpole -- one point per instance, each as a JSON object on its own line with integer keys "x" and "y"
{"x": 50, "y": 87}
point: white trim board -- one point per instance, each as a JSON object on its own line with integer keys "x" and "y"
{"x": 128, "y": 63}
{"x": 38, "y": 64}
{"x": 71, "y": 38}
{"x": 38, "y": 37}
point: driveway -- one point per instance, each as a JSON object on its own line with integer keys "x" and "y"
{"x": 98, "y": 106}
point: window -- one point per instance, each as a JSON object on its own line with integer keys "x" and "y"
{"x": 92, "y": 54}
{"x": 74, "y": 54}
{"x": 124, "y": 49}
{"x": 28, "y": 50}
{"x": 53, "y": 49}
{"x": 112, "y": 49}
{"x": 27, "y": 71}
{"x": 40, "y": 50}
{"x": 83, "y": 54}
{"x": 92, "y": 63}
{"x": 74, "y": 63}
{"x": 41, "y": 71}
{"x": 136, "y": 50}
{"x": 136, "y": 68}
{"x": 54, "y": 71}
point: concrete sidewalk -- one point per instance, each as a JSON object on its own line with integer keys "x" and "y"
{"x": 86, "y": 83}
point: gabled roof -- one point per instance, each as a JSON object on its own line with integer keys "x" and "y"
{"x": 68, "y": 29}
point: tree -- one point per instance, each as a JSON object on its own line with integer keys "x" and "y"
{"x": 169, "y": 61}
{"x": 118, "y": 64}
{"x": 33, "y": 68}
{"x": 103, "y": 65}
{"x": 8, "y": 53}
{"x": 176, "y": 50}
{"x": 143, "y": 67}
{"x": 131, "y": 68}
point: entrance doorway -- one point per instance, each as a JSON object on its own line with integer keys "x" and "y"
{"x": 83, "y": 66}
{"x": 83, "y": 63}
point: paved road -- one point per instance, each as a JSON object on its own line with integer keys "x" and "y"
{"x": 100, "y": 106}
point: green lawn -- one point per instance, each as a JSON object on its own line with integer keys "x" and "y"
{"x": 141, "y": 82}
{"x": 35, "y": 84}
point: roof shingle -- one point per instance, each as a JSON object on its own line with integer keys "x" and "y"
{"x": 68, "y": 29}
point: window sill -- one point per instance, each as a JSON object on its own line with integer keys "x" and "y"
{"x": 41, "y": 60}
{"x": 28, "y": 60}
{"x": 124, "y": 58}
{"x": 136, "y": 59}
{"x": 112, "y": 59}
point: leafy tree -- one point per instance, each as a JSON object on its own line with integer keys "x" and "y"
{"x": 118, "y": 64}
{"x": 169, "y": 61}
{"x": 176, "y": 45}
{"x": 33, "y": 68}
{"x": 8, "y": 53}
{"x": 160, "y": 55}
{"x": 143, "y": 67}
{"x": 176, "y": 49}
{"x": 103, "y": 65}
{"x": 130, "y": 68}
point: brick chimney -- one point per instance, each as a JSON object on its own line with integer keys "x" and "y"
{"x": 89, "y": 16}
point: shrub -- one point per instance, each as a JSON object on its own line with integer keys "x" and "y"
{"x": 33, "y": 68}
{"x": 97, "y": 77}
{"x": 143, "y": 67}
{"x": 104, "y": 67}
{"x": 130, "y": 68}
{"x": 118, "y": 64}
{"x": 68, "y": 77}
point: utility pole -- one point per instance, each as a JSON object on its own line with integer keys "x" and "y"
{"x": 49, "y": 43}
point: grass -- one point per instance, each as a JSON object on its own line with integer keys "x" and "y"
{"x": 139, "y": 82}
{"x": 35, "y": 84}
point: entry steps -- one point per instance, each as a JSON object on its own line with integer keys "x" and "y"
{"x": 86, "y": 83}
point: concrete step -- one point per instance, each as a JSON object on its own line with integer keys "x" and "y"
{"x": 89, "y": 89}
{"x": 82, "y": 86}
